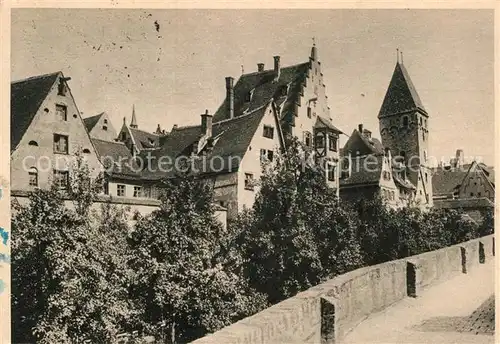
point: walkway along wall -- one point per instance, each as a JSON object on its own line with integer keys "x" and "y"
{"x": 325, "y": 313}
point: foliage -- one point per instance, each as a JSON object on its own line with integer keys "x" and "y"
{"x": 295, "y": 236}
{"x": 180, "y": 284}
{"x": 69, "y": 275}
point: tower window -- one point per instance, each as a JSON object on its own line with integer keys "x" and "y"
{"x": 405, "y": 121}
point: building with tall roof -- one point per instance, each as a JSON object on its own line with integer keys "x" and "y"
{"x": 46, "y": 132}
{"x": 100, "y": 127}
{"x": 369, "y": 170}
{"x": 298, "y": 95}
{"x": 404, "y": 128}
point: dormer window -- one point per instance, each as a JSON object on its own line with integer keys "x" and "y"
{"x": 284, "y": 90}
{"x": 248, "y": 96}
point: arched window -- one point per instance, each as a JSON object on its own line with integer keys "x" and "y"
{"x": 33, "y": 177}
{"x": 405, "y": 121}
{"x": 86, "y": 151}
{"x": 33, "y": 143}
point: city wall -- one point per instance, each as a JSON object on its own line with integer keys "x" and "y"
{"x": 325, "y": 313}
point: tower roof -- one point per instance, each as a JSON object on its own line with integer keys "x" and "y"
{"x": 401, "y": 95}
{"x": 133, "y": 122}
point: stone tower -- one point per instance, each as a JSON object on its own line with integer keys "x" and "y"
{"x": 404, "y": 128}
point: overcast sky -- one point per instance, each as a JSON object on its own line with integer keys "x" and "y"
{"x": 173, "y": 70}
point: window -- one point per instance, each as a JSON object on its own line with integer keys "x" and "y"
{"x": 248, "y": 96}
{"x": 60, "y": 144}
{"x": 332, "y": 143}
{"x": 61, "y": 112}
{"x": 124, "y": 136}
{"x": 478, "y": 194}
{"x": 268, "y": 132}
{"x": 284, "y": 90}
{"x": 33, "y": 143}
{"x": 331, "y": 172}
{"x": 423, "y": 135}
{"x": 426, "y": 177}
{"x": 425, "y": 121}
{"x": 33, "y": 176}
{"x": 137, "y": 191}
{"x": 393, "y": 196}
{"x": 307, "y": 138}
{"x": 309, "y": 112}
{"x": 471, "y": 194}
{"x": 61, "y": 179}
{"x": 405, "y": 121}
{"x": 248, "y": 181}
{"x": 106, "y": 188}
{"x": 266, "y": 155}
{"x": 425, "y": 155}
{"x": 319, "y": 141}
{"x": 420, "y": 121}
{"x": 120, "y": 190}
{"x": 105, "y": 121}
{"x": 105, "y": 128}
{"x": 86, "y": 151}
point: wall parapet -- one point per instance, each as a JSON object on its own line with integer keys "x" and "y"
{"x": 327, "y": 312}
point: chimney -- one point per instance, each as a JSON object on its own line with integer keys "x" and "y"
{"x": 260, "y": 67}
{"x": 206, "y": 124}
{"x": 360, "y": 128}
{"x": 277, "y": 67}
{"x": 230, "y": 96}
{"x": 459, "y": 158}
{"x": 158, "y": 129}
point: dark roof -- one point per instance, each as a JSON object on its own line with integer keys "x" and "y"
{"x": 116, "y": 158}
{"x": 401, "y": 94}
{"x": 360, "y": 143}
{"x": 364, "y": 170}
{"x": 446, "y": 182}
{"x": 144, "y": 139}
{"x": 25, "y": 99}
{"x": 265, "y": 88}
{"x": 231, "y": 141}
{"x": 321, "y": 122}
{"x": 90, "y": 122}
{"x": 463, "y": 203}
{"x": 405, "y": 183}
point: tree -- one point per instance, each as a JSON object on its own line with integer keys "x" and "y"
{"x": 179, "y": 283}
{"x": 69, "y": 275}
{"x": 296, "y": 235}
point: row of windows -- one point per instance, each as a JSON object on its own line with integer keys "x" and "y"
{"x": 61, "y": 178}
{"x": 405, "y": 121}
{"x": 319, "y": 141}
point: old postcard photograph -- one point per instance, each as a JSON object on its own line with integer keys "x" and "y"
{"x": 248, "y": 175}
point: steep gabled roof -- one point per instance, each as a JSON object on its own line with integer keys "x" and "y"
{"x": 25, "y": 99}
{"x": 401, "y": 95}
{"x": 90, "y": 122}
{"x": 447, "y": 182}
{"x": 360, "y": 143}
{"x": 231, "y": 141}
{"x": 264, "y": 88}
{"x": 117, "y": 158}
